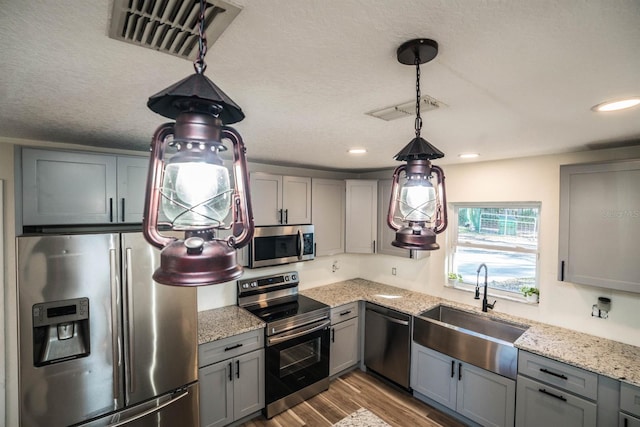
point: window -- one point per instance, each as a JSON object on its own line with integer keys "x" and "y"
{"x": 504, "y": 236}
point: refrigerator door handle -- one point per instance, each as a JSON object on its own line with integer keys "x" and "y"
{"x": 128, "y": 284}
{"x": 149, "y": 411}
{"x": 115, "y": 338}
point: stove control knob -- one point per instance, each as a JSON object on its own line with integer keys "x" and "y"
{"x": 293, "y": 277}
{"x": 254, "y": 284}
{"x": 245, "y": 286}
{"x": 286, "y": 278}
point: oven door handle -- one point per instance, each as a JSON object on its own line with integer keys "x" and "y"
{"x": 288, "y": 336}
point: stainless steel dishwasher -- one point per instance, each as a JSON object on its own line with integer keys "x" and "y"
{"x": 387, "y": 343}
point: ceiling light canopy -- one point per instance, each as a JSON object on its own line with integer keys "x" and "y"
{"x": 417, "y": 209}
{"x": 191, "y": 191}
{"x": 619, "y": 104}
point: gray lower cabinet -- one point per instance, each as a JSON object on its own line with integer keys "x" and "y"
{"x": 477, "y": 394}
{"x": 231, "y": 388}
{"x": 553, "y": 393}
{"x": 345, "y": 338}
{"x": 629, "y": 406}
{"x": 627, "y": 420}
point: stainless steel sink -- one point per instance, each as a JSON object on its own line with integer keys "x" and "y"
{"x": 470, "y": 337}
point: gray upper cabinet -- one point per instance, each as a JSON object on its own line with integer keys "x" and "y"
{"x": 81, "y": 188}
{"x": 362, "y": 216}
{"x": 132, "y": 182}
{"x": 278, "y": 199}
{"x": 328, "y": 213}
{"x": 599, "y": 237}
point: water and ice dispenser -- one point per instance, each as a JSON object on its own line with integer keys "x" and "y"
{"x": 60, "y": 331}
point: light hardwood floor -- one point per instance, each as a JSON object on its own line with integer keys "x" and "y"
{"x": 355, "y": 390}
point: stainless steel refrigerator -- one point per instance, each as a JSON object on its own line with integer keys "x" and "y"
{"x": 100, "y": 342}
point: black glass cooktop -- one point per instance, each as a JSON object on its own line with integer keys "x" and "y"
{"x": 282, "y": 308}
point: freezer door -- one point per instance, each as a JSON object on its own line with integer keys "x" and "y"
{"x": 160, "y": 326}
{"x": 179, "y": 408}
{"x": 67, "y": 297}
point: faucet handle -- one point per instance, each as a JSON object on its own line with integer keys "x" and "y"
{"x": 490, "y": 306}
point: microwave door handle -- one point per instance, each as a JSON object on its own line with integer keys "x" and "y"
{"x": 300, "y": 244}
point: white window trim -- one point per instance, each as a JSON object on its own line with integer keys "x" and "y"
{"x": 452, "y": 237}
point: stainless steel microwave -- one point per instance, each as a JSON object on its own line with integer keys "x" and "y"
{"x": 281, "y": 244}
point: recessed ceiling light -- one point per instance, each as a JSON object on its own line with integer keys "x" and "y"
{"x": 357, "y": 151}
{"x": 619, "y": 104}
{"x": 468, "y": 155}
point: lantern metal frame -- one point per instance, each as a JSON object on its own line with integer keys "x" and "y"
{"x": 412, "y": 234}
{"x": 201, "y": 111}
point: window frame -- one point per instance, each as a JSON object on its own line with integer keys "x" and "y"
{"x": 452, "y": 245}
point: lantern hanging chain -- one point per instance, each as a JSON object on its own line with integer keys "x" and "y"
{"x": 418, "y": 122}
{"x": 199, "y": 63}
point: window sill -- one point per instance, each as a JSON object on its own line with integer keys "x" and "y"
{"x": 499, "y": 296}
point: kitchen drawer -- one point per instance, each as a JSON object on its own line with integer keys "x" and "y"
{"x": 539, "y": 404}
{"x": 561, "y": 375}
{"x": 630, "y": 399}
{"x": 216, "y": 351}
{"x": 344, "y": 312}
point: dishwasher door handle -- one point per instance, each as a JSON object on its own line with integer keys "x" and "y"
{"x": 391, "y": 319}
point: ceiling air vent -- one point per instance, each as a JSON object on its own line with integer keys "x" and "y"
{"x": 170, "y": 26}
{"x": 427, "y": 103}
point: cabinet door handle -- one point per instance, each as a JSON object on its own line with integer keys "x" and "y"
{"x": 541, "y": 390}
{"x": 286, "y": 216}
{"x": 230, "y": 371}
{"x": 333, "y": 335}
{"x": 562, "y": 271}
{"x": 123, "y": 209}
{"x": 110, "y": 209}
{"x": 233, "y": 347}
{"x": 374, "y": 246}
{"x": 459, "y": 371}
{"x": 546, "y": 371}
{"x": 280, "y": 213}
{"x": 237, "y": 369}
{"x": 626, "y": 422}
{"x": 453, "y": 368}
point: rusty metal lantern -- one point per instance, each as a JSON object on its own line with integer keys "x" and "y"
{"x": 417, "y": 209}
{"x": 191, "y": 191}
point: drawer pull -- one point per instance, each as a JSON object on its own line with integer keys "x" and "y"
{"x": 233, "y": 347}
{"x": 541, "y": 390}
{"x": 553, "y": 373}
{"x": 344, "y": 313}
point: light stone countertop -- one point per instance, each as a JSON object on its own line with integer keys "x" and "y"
{"x": 225, "y": 322}
{"x": 600, "y": 355}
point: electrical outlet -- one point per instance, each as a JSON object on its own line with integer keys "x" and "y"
{"x": 393, "y": 271}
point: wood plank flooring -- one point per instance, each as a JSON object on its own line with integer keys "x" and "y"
{"x": 355, "y": 390}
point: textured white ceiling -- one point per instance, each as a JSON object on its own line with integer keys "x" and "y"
{"x": 518, "y": 77}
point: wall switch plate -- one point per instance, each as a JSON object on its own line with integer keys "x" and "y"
{"x": 393, "y": 271}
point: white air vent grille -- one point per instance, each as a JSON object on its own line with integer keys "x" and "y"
{"x": 169, "y": 26}
{"x": 394, "y": 112}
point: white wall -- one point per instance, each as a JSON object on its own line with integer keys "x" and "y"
{"x": 531, "y": 179}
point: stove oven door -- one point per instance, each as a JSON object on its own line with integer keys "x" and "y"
{"x": 296, "y": 359}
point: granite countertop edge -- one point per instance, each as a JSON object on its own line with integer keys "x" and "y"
{"x": 595, "y": 354}
{"x": 602, "y": 356}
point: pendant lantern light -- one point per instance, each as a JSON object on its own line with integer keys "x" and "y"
{"x": 417, "y": 209}
{"x": 191, "y": 191}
